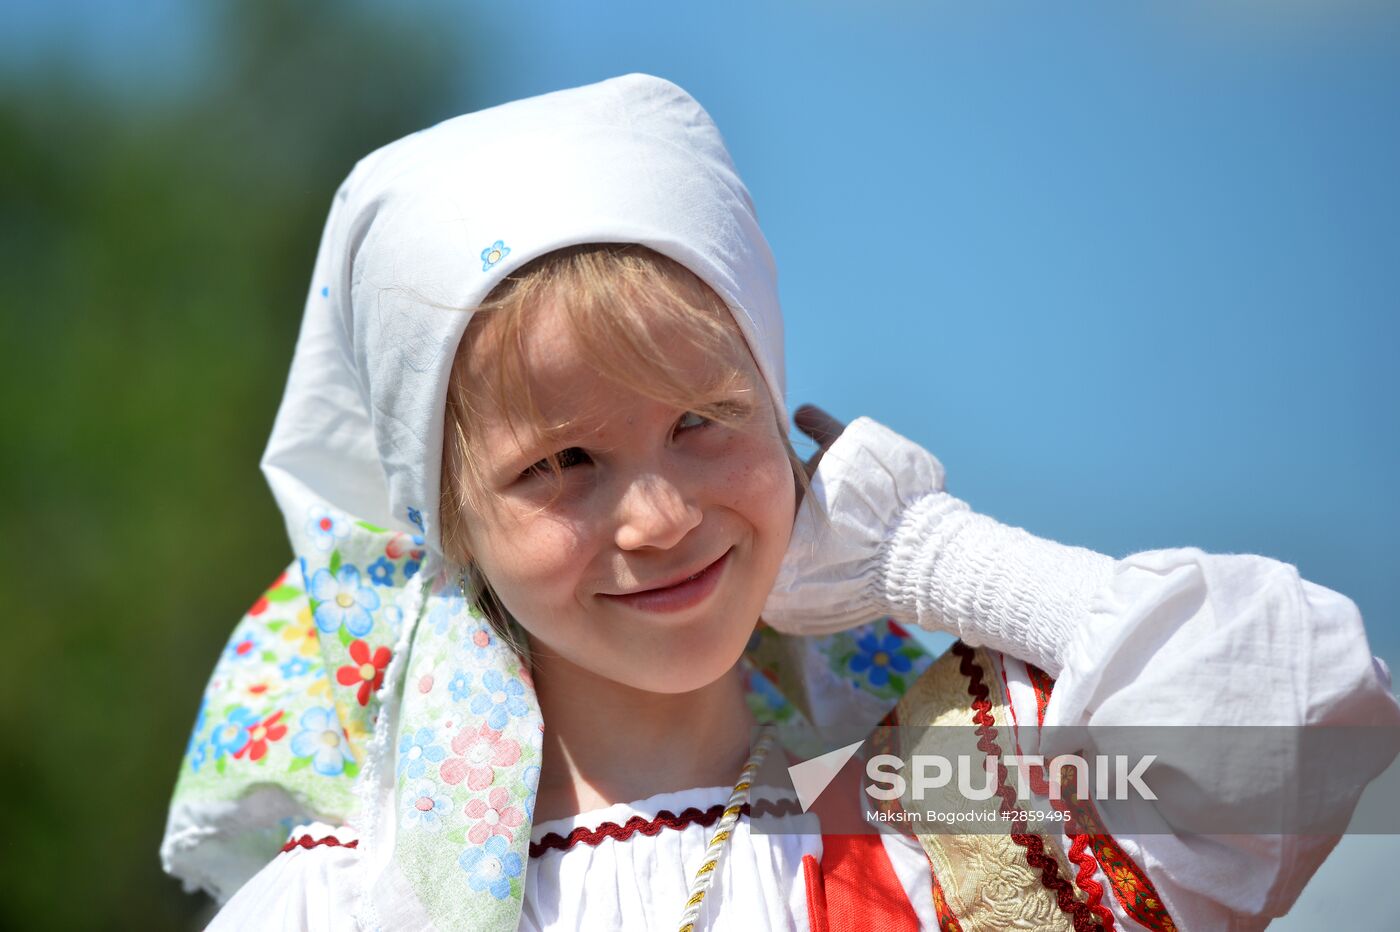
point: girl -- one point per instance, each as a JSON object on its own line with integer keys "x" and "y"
{"x": 533, "y": 459}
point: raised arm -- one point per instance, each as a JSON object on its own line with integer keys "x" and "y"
{"x": 1166, "y": 637}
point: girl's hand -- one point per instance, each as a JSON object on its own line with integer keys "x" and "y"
{"x": 821, "y": 427}
{"x": 846, "y": 562}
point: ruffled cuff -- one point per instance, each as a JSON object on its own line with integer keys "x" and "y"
{"x": 892, "y": 542}
{"x": 947, "y": 568}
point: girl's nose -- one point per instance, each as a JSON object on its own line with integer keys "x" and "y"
{"x": 654, "y": 513}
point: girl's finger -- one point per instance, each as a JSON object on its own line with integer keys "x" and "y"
{"x": 817, "y": 424}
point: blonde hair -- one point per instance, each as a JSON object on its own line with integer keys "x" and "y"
{"x": 607, "y": 295}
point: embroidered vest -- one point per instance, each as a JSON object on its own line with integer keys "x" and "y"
{"x": 981, "y": 882}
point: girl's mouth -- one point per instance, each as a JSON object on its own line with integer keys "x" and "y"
{"x": 681, "y": 596}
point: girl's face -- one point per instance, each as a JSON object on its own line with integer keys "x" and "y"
{"x": 650, "y": 495}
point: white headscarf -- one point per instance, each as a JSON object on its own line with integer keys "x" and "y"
{"x": 425, "y": 227}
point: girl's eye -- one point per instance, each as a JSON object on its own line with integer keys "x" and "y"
{"x": 573, "y": 456}
{"x": 682, "y": 425}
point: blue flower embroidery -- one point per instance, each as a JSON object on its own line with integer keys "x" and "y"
{"x": 294, "y": 667}
{"x": 326, "y": 527}
{"x": 491, "y": 866}
{"x": 343, "y": 601}
{"x": 415, "y": 751}
{"x": 460, "y": 686}
{"x": 500, "y": 700}
{"x": 381, "y": 572}
{"x": 244, "y": 647}
{"x": 479, "y": 641}
{"x": 493, "y": 254}
{"x": 415, "y": 517}
{"x": 447, "y": 608}
{"x": 322, "y": 740}
{"x": 230, "y": 737}
{"x": 425, "y": 806}
{"x": 879, "y": 656}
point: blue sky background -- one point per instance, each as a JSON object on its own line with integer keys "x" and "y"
{"x": 1132, "y": 275}
{"x": 1132, "y": 271}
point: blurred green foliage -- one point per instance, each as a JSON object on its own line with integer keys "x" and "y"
{"x": 154, "y": 263}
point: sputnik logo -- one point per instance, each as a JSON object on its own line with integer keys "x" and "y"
{"x": 811, "y": 777}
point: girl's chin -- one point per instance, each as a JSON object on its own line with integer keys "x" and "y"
{"x": 676, "y": 686}
{"x": 666, "y": 658}
{"x": 680, "y": 672}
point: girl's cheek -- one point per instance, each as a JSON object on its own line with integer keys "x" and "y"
{"x": 537, "y": 577}
{"x": 764, "y": 476}
{"x": 545, "y": 552}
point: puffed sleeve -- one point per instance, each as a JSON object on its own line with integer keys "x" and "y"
{"x": 1173, "y": 637}
{"x": 1181, "y": 637}
{"x": 306, "y": 888}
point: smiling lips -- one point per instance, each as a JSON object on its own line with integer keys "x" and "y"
{"x": 678, "y": 597}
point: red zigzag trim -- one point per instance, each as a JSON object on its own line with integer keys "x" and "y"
{"x": 664, "y": 819}
{"x": 306, "y": 841}
{"x": 1089, "y": 848}
{"x": 1081, "y": 915}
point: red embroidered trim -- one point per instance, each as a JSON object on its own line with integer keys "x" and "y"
{"x": 1079, "y": 854}
{"x": 664, "y": 819}
{"x": 306, "y": 841}
{"x": 1010, "y": 706}
{"x": 1081, "y": 916}
{"x": 1041, "y": 684}
{"x": 1080, "y": 857}
{"x": 947, "y": 922}
{"x": 1129, "y": 883}
{"x": 1133, "y": 890}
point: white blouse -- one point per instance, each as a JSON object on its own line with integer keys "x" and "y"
{"x": 640, "y": 881}
{"x": 1166, "y": 637}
